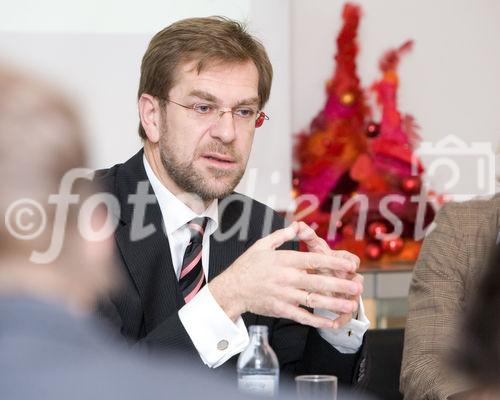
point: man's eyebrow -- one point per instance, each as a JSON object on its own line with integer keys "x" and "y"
{"x": 210, "y": 97}
{"x": 204, "y": 95}
{"x": 248, "y": 102}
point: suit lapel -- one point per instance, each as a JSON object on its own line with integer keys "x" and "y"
{"x": 224, "y": 252}
{"x": 148, "y": 260}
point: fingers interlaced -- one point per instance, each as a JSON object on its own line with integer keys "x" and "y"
{"x": 304, "y": 317}
{"x": 321, "y": 278}
{"x": 318, "y": 300}
{"x": 313, "y": 242}
{"x": 277, "y": 238}
{"x": 348, "y": 256}
{"x": 328, "y": 284}
{"x": 318, "y": 262}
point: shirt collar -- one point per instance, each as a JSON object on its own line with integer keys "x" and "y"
{"x": 175, "y": 213}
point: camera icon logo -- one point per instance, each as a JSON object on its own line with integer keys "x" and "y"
{"x": 459, "y": 170}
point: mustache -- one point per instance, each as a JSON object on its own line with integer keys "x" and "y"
{"x": 217, "y": 147}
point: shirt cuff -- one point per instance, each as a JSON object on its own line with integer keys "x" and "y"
{"x": 216, "y": 337}
{"x": 347, "y": 339}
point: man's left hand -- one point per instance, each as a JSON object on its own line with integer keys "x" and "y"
{"x": 316, "y": 244}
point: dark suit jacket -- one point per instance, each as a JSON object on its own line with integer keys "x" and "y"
{"x": 146, "y": 311}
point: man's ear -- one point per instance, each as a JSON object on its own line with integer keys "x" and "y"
{"x": 150, "y": 115}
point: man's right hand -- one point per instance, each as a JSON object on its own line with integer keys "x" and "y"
{"x": 275, "y": 283}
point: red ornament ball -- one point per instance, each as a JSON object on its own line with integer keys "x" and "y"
{"x": 327, "y": 143}
{"x": 411, "y": 184}
{"x": 393, "y": 246}
{"x": 373, "y": 251}
{"x": 376, "y": 228}
{"x": 372, "y": 130}
{"x": 347, "y": 98}
{"x": 348, "y": 231}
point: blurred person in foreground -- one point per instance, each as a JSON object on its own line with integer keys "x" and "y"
{"x": 478, "y": 355}
{"x": 454, "y": 256}
{"x": 50, "y": 345}
{"x": 204, "y": 262}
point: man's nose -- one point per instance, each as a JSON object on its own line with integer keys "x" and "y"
{"x": 223, "y": 127}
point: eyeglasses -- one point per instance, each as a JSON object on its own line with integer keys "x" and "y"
{"x": 243, "y": 116}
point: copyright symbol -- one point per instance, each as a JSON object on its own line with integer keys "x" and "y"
{"x": 25, "y": 219}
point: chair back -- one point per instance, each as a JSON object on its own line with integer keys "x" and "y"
{"x": 380, "y": 363}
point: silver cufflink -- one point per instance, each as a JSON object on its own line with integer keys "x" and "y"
{"x": 222, "y": 345}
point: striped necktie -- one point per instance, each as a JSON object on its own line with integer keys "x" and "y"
{"x": 192, "y": 277}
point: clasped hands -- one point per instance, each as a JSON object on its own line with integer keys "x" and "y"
{"x": 277, "y": 283}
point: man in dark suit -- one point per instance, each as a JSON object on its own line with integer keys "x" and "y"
{"x": 204, "y": 82}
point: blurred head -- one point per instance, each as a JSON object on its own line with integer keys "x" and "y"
{"x": 40, "y": 140}
{"x": 203, "y": 83}
{"x": 478, "y": 354}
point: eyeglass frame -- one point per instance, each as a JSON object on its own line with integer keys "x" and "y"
{"x": 259, "y": 120}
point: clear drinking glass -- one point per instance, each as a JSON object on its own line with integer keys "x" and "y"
{"x": 316, "y": 387}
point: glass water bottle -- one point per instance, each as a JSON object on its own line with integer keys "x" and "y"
{"x": 258, "y": 368}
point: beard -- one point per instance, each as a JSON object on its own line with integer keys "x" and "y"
{"x": 212, "y": 183}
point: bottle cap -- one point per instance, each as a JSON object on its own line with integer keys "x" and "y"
{"x": 258, "y": 329}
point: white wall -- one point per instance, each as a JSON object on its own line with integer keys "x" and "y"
{"x": 93, "y": 50}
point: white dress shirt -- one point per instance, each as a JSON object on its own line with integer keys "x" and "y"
{"x": 215, "y": 336}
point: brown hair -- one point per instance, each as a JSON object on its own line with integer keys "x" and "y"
{"x": 208, "y": 40}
